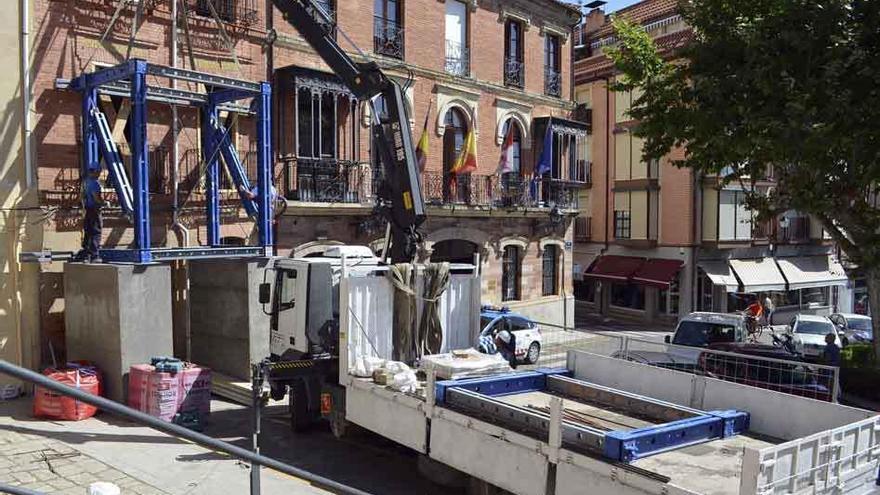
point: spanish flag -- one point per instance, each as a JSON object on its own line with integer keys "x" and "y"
{"x": 422, "y": 148}
{"x": 467, "y": 160}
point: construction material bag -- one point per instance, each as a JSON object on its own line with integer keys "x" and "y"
{"x": 49, "y": 404}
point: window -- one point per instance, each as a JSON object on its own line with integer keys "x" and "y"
{"x": 455, "y": 188}
{"x": 511, "y": 126}
{"x": 514, "y": 73}
{"x": 317, "y": 124}
{"x": 550, "y": 270}
{"x": 701, "y": 334}
{"x": 515, "y": 323}
{"x": 629, "y": 296}
{"x": 734, "y": 218}
{"x": 388, "y": 33}
{"x": 225, "y": 9}
{"x": 705, "y": 290}
{"x": 622, "y": 225}
{"x": 669, "y": 298}
{"x": 510, "y": 273}
{"x": 552, "y": 64}
{"x": 457, "y": 56}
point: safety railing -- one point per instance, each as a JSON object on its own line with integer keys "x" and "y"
{"x": 327, "y": 180}
{"x": 458, "y": 62}
{"x": 514, "y": 72}
{"x": 243, "y": 12}
{"x": 505, "y": 191}
{"x": 388, "y": 37}
{"x": 790, "y": 376}
{"x": 552, "y": 82}
{"x": 177, "y": 431}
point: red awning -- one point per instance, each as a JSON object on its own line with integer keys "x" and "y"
{"x": 614, "y": 268}
{"x": 657, "y": 272}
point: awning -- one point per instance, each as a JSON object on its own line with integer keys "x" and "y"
{"x": 758, "y": 275}
{"x": 812, "y": 271}
{"x": 719, "y": 273}
{"x": 657, "y": 272}
{"x": 614, "y": 268}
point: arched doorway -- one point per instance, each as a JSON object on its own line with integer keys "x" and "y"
{"x": 454, "y": 251}
{"x": 511, "y": 181}
{"x": 456, "y": 128}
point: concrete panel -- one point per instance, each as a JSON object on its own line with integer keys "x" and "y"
{"x": 228, "y": 328}
{"x": 117, "y": 316}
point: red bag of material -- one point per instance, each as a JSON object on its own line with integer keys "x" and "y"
{"x": 49, "y": 404}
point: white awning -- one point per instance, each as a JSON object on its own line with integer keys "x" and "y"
{"x": 719, "y": 273}
{"x": 812, "y": 271}
{"x": 758, "y": 275}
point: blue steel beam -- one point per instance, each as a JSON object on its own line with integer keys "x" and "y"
{"x": 499, "y": 385}
{"x": 212, "y": 170}
{"x": 104, "y": 76}
{"x": 219, "y": 140}
{"x": 90, "y": 140}
{"x": 265, "y": 165}
{"x": 113, "y": 161}
{"x": 226, "y": 95}
{"x": 139, "y": 160}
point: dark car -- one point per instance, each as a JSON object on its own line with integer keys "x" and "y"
{"x": 765, "y": 366}
{"x": 854, "y": 328}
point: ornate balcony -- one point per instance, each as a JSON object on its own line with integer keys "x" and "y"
{"x": 457, "y": 59}
{"x": 491, "y": 191}
{"x": 387, "y": 37}
{"x": 327, "y": 180}
{"x": 514, "y": 72}
{"x": 552, "y": 82}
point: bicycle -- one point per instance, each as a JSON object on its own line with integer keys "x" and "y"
{"x": 755, "y": 328}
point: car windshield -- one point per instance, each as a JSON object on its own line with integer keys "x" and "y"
{"x": 701, "y": 334}
{"x": 859, "y": 324}
{"x": 484, "y": 322}
{"x": 815, "y": 327}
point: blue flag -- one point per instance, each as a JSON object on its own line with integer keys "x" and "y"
{"x": 545, "y": 161}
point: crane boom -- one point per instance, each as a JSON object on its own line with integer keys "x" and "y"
{"x": 400, "y": 194}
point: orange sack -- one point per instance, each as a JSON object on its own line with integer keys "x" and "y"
{"x": 49, "y": 404}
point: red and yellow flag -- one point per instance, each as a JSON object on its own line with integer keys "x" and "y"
{"x": 467, "y": 160}
{"x": 422, "y": 147}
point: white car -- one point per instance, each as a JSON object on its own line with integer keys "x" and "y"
{"x": 525, "y": 332}
{"x": 808, "y": 334}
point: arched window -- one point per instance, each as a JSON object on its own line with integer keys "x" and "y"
{"x": 455, "y": 123}
{"x": 510, "y": 273}
{"x": 550, "y": 270}
{"x": 513, "y": 127}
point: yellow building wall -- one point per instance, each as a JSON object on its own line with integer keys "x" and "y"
{"x": 622, "y": 155}
{"x": 639, "y": 167}
{"x": 639, "y": 214}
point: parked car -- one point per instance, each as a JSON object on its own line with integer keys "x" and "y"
{"x": 784, "y": 374}
{"x": 525, "y": 331}
{"x": 808, "y": 334}
{"x": 854, "y": 328}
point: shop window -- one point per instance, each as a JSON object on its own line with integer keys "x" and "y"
{"x": 669, "y": 298}
{"x": 510, "y": 273}
{"x": 705, "y": 291}
{"x": 550, "y": 270}
{"x": 629, "y": 296}
{"x": 585, "y": 290}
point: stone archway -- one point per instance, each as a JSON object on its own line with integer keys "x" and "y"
{"x": 454, "y": 251}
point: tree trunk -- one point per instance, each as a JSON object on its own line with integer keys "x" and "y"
{"x": 873, "y": 279}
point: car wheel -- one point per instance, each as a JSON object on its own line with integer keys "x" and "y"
{"x": 534, "y": 353}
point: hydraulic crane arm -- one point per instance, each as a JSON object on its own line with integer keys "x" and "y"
{"x": 400, "y": 194}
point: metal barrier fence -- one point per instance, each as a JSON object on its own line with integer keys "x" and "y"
{"x": 793, "y": 377}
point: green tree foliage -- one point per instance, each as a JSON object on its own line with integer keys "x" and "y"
{"x": 787, "y": 85}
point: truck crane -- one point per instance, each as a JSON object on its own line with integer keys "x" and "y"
{"x": 303, "y": 296}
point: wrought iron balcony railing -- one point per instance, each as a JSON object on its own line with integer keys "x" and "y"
{"x": 327, "y": 180}
{"x": 457, "y": 59}
{"x": 552, "y": 82}
{"x": 507, "y": 191}
{"x": 514, "y": 72}
{"x": 388, "y": 37}
{"x": 243, "y": 12}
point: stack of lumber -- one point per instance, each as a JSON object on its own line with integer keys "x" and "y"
{"x": 233, "y": 389}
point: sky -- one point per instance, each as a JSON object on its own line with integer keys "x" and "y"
{"x": 618, "y": 4}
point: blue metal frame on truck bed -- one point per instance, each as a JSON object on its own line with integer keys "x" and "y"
{"x": 129, "y": 79}
{"x": 680, "y": 426}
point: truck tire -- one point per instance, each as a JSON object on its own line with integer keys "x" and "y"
{"x": 533, "y": 353}
{"x": 339, "y": 426}
{"x": 298, "y": 404}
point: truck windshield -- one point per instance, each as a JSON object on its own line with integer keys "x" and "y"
{"x": 815, "y": 327}
{"x": 701, "y": 333}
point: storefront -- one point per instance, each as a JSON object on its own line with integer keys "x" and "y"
{"x": 630, "y": 287}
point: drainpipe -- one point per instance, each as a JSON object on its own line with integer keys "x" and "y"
{"x": 179, "y": 228}
{"x": 26, "y": 91}
{"x": 608, "y": 123}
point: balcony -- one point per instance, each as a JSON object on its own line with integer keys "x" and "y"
{"x": 490, "y": 191}
{"x": 582, "y": 172}
{"x": 514, "y": 72}
{"x": 458, "y": 61}
{"x": 583, "y": 229}
{"x": 387, "y": 37}
{"x": 552, "y": 82}
{"x": 242, "y": 12}
{"x": 794, "y": 229}
{"x": 327, "y": 180}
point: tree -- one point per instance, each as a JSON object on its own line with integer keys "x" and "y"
{"x": 788, "y": 84}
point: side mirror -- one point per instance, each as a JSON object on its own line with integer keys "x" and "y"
{"x": 667, "y": 339}
{"x": 265, "y": 293}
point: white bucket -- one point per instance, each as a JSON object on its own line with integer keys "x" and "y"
{"x": 103, "y": 488}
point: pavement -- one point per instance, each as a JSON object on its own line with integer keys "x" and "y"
{"x": 66, "y": 457}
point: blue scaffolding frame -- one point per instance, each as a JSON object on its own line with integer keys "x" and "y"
{"x": 128, "y": 79}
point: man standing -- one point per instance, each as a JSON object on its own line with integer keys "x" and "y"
{"x": 768, "y": 309}
{"x": 505, "y": 341}
{"x": 92, "y": 223}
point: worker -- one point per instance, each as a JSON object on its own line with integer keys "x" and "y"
{"x": 831, "y": 354}
{"x": 753, "y": 314}
{"x": 768, "y": 309}
{"x": 92, "y": 222}
{"x": 255, "y": 191}
{"x": 505, "y": 341}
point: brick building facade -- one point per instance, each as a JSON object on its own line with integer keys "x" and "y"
{"x": 487, "y": 66}
{"x": 654, "y": 241}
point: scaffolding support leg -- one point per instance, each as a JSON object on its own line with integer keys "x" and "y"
{"x": 212, "y": 173}
{"x": 264, "y": 166}
{"x": 140, "y": 162}
{"x": 90, "y": 138}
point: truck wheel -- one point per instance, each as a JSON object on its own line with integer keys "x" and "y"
{"x": 533, "y": 353}
{"x": 298, "y": 404}
{"x": 339, "y": 426}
